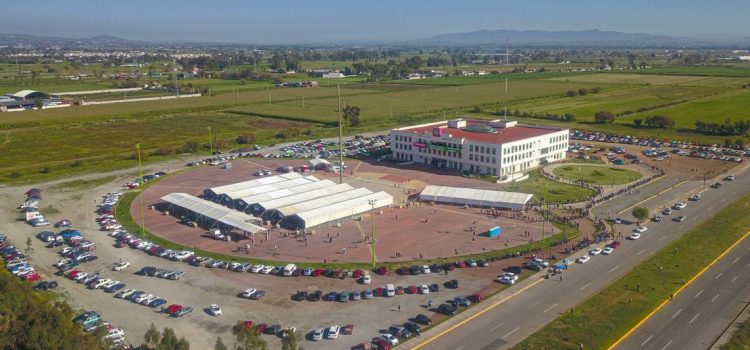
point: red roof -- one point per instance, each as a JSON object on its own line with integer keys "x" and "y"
{"x": 503, "y": 135}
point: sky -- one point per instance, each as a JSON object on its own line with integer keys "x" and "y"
{"x": 348, "y": 21}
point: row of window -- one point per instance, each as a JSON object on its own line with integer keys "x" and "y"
{"x": 482, "y": 158}
{"x": 558, "y": 138}
{"x": 482, "y": 149}
{"x": 403, "y": 138}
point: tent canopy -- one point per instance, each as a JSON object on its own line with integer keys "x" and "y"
{"x": 216, "y": 212}
{"x": 476, "y": 197}
{"x": 214, "y": 192}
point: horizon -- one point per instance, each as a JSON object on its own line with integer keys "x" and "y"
{"x": 332, "y": 21}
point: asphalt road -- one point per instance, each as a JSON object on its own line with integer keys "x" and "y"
{"x": 698, "y": 316}
{"x": 515, "y": 319}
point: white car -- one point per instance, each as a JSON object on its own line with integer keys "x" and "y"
{"x": 317, "y": 334}
{"x": 424, "y": 289}
{"x": 505, "y": 280}
{"x": 214, "y": 310}
{"x": 680, "y": 205}
{"x": 634, "y": 236}
{"x": 607, "y": 251}
{"x": 541, "y": 262}
{"x": 115, "y": 333}
{"x": 248, "y": 292}
{"x": 266, "y": 269}
{"x": 640, "y": 229}
{"x": 256, "y": 268}
{"x": 366, "y": 279}
{"x": 389, "y": 338}
{"x": 148, "y": 300}
{"x": 142, "y": 297}
{"x": 583, "y": 259}
{"x": 121, "y": 266}
{"x": 618, "y": 221}
{"x": 333, "y": 332}
{"x": 425, "y": 269}
{"x": 125, "y": 293}
{"x": 595, "y": 251}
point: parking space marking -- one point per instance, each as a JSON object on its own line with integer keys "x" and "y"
{"x": 699, "y": 293}
{"x": 640, "y": 252}
{"x": 549, "y": 308}
{"x": 647, "y": 339}
{"x": 735, "y": 260}
{"x": 662, "y": 238}
{"x": 694, "y": 317}
{"x": 511, "y": 332}
{"x": 585, "y": 286}
{"x": 614, "y": 268}
{"x": 717, "y": 276}
{"x": 714, "y": 298}
{"x": 498, "y": 326}
{"x": 668, "y": 344}
{"x": 676, "y": 313}
{"x": 733, "y": 279}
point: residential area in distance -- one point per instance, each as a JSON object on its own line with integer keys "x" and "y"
{"x": 378, "y": 183}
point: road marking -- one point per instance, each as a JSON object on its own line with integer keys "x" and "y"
{"x": 676, "y": 313}
{"x": 662, "y": 238}
{"x": 614, "y": 268}
{"x": 585, "y": 286}
{"x": 680, "y": 227}
{"x": 461, "y": 348}
{"x": 668, "y": 344}
{"x": 735, "y": 260}
{"x": 480, "y": 313}
{"x": 694, "y": 317}
{"x": 652, "y": 196}
{"x": 733, "y": 279}
{"x": 549, "y": 308}
{"x": 717, "y": 276}
{"x": 535, "y": 304}
{"x": 511, "y": 332}
{"x": 640, "y": 252}
{"x": 498, "y": 326}
{"x": 647, "y": 339}
{"x": 714, "y": 298}
{"x": 699, "y": 293}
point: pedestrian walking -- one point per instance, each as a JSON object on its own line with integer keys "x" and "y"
{"x": 399, "y": 307}
{"x": 275, "y": 247}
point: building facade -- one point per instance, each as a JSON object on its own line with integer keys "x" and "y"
{"x": 496, "y": 147}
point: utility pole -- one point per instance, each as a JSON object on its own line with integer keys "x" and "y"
{"x": 140, "y": 187}
{"x": 176, "y": 82}
{"x": 372, "y": 232}
{"x": 210, "y": 143}
{"x": 341, "y": 138}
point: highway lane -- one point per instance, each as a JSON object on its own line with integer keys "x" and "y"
{"x": 520, "y": 316}
{"x": 695, "y": 318}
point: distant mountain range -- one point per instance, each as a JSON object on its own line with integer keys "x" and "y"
{"x": 593, "y": 37}
{"x": 101, "y": 40}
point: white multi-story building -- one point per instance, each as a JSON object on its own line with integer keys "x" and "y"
{"x": 496, "y": 147}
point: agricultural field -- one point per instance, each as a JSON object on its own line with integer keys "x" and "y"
{"x": 484, "y": 79}
{"x": 597, "y": 175}
{"x": 653, "y": 79}
{"x": 734, "y": 70}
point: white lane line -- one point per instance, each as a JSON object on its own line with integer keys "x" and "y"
{"x": 676, "y": 313}
{"x": 585, "y": 286}
{"x": 717, "y": 276}
{"x": 699, "y": 293}
{"x": 549, "y": 308}
{"x": 647, "y": 339}
{"x": 680, "y": 227}
{"x": 735, "y": 260}
{"x": 668, "y": 344}
{"x": 614, "y": 268}
{"x": 511, "y": 332}
{"x": 733, "y": 279}
{"x": 662, "y": 238}
{"x": 714, "y": 298}
{"x": 748, "y": 265}
{"x": 498, "y": 326}
{"x": 643, "y": 250}
{"x": 693, "y": 319}
{"x": 461, "y": 348}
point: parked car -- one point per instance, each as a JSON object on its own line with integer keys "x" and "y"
{"x": 214, "y": 310}
{"x": 422, "y": 319}
{"x": 447, "y": 309}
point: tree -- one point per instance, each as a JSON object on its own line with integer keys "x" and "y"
{"x": 604, "y": 117}
{"x": 38, "y": 103}
{"x": 248, "y": 338}
{"x": 219, "y": 345}
{"x": 583, "y": 91}
{"x": 246, "y": 139}
{"x": 289, "y": 342}
{"x": 571, "y": 93}
{"x": 351, "y": 114}
{"x": 640, "y": 214}
{"x": 152, "y": 336}
{"x": 569, "y": 117}
{"x": 637, "y": 121}
{"x": 168, "y": 341}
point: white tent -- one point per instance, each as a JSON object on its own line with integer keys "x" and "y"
{"x": 318, "y": 163}
{"x": 214, "y": 192}
{"x": 475, "y": 197}
{"x": 265, "y": 206}
{"x": 204, "y": 210}
{"x": 276, "y": 215}
{"x": 249, "y": 201}
{"x": 338, "y": 210}
{"x": 229, "y": 197}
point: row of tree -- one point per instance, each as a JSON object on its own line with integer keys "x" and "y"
{"x": 740, "y": 127}
{"x": 567, "y": 117}
{"x": 655, "y": 121}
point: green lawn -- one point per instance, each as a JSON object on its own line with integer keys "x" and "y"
{"x": 607, "y": 315}
{"x": 740, "y": 338}
{"x": 736, "y": 70}
{"x": 597, "y": 175}
{"x": 556, "y": 192}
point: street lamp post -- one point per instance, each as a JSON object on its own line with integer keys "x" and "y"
{"x": 372, "y": 231}
{"x": 140, "y": 187}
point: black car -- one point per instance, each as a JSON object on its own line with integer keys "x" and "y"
{"x": 147, "y": 271}
{"x": 514, "y": 269}
{"x": 89, "y": 258}
{"x": 45, "y": 285}
{"x": 434, "y": 288}
{"x": 275, "y": 329}
{"x": 436, "y": 268}
{"x": 452, "y": 284}
{"x": 315, "y": 296}
{"x": 447, "y": 309}
{"x": 416, "y": 270}
{"x": 55, "y": 244}
{"x": 413, "y": 327}
{"x": 299, "y": 296}
{"x": 482, "y": 263}
{"x": 448, "y": 267}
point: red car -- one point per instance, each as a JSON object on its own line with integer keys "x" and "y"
{"x": 261, "y": 327}
{"x": 358, "y": 273}
{"x": 382, "y": 270}
{"x": 615, "y": 244}
{"x": 460, "y": 264}
{"x": 171, "y": 309}
{"x": 72, "y": 274}
{"x": 411, "y": 289}
{"x": 318, "y": 272}
{"x": 33, "y": 276}
{"x": 475, "y": 298}
{"x": 247, "y": 324}
{"x": 380, "y": 292}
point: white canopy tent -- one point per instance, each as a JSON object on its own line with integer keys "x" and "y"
{"x": 229, "y": 197}
{"x": 204, "y": 210}
{"x": 215, "y": 192}
{"x": 262, "y": 207}
{"x": 276, "y": 215}
{"x": 338, "y": 210}
{"x": 319, "y": 163}
{"x": 247, "y": 202}
{"x": 475, "y": 197}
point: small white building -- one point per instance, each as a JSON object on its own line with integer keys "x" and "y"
{"x": 333, "y": 75}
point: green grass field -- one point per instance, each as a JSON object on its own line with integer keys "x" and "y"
{"x": 597, "y": 175}
{"x": 655, "y": 79}
{"x": 482, "y": 79}
{"x": 734, "y": 70}
{"x": 740, "y": 339}
{"x": 607, "y": 315}
{"x": 556, "y": 192}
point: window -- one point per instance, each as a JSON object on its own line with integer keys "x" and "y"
{"x": 471, "y": 157}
